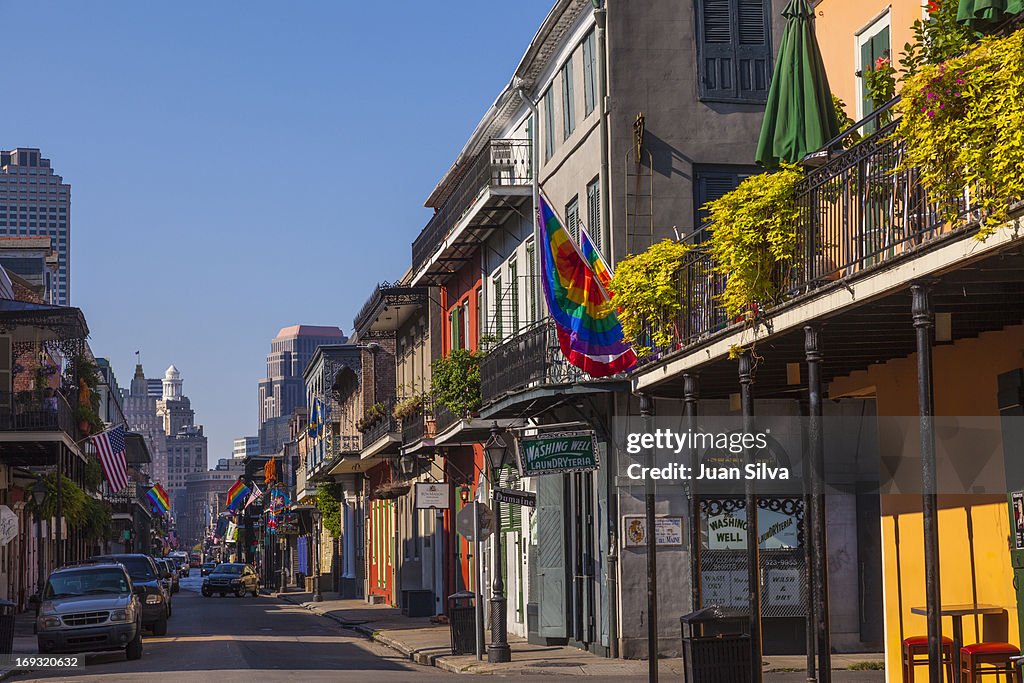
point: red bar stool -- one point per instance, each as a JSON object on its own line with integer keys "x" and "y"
{"x": 915, "y": 653}
{"x": 997, "y": 658}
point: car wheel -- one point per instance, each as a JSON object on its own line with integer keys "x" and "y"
{"x": 206, "y": 593}
{"x": 256, "y": 591}
{"x": 160, "y": 627}
{"x": 240, "y": 592}
{"x": 134, "y": 649}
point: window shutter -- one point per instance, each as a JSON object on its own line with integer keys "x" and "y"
{"x": 712, "y": 184}
{"x": 717, "y": 50}
{"x": 511, "y": 515}
{"x": 754, "y": 50}
{"x": 594, "y": 212}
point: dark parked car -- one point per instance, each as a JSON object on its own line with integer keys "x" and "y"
{"x": 169, "y": 573}
{"x": 207, "y": 568}
{"x": 232, "y": 578}
{"x": 142, "y": 569}
{"x": 90, "y": 608}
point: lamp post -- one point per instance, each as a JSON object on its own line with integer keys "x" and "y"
{"x": 39, "y": 496}
{"x": 499, "y": 651}
{"x": 317, "y": 533}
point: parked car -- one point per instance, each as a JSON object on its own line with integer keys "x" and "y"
{"x": 170, "y": 574}
{"x": 180, "y": 560}
{"x": 232, "y": 578}
{"x": 90, "y": 608}
{"x": 207, "y": 568}
{"x": 156, "y": 602}
{"x": 195, "y": 564}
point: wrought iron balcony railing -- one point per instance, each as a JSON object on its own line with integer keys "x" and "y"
{"x": 29, "y": 412}
{"x": 501, "y": 163}
{"x": 443, "y": 417}
{"x": 387, "y": 295}
{"x": 415, "y": 425}
{"x": 530, "y": 358}
{"x": 382, "y": 425}
{"x": 857, "y": 211}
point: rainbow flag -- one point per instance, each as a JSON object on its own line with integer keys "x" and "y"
{"x": 588, "y": 330}
{"x": 159, "y": 498}
{"x": 236, "y": 494}
{"x": 596, "y": 261}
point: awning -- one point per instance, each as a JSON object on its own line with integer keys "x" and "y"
{"x": 982, "y": 15}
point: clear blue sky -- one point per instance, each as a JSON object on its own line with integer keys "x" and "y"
{"x": 237, "y": 167}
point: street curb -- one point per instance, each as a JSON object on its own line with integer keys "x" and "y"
{"x": 414, "y": 656}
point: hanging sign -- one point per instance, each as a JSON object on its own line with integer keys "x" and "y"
{"x": 432, "y": 494}
{"x": 524, "y": 498}
{"x": 667, "y": 530}
{"x": 558, "y": 452}
{"x": 8, "y": 525}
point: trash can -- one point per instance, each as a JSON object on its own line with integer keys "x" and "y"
{"x": 462, "y": 619}
{"x": 716, "y": 646}
{"x": 6, "y": 627}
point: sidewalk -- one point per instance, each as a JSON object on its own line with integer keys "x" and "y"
{"x": 24, "y": 639}
{"x": 430, "y": 644}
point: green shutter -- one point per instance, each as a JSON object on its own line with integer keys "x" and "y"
{"x": 589, "y": 73}
{"x": 734, "y": 50}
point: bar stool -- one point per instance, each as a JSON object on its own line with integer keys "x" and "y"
{"x": 915, "y": 653}
{"x": 998, "y": 656}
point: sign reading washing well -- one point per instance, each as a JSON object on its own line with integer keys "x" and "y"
{"x": 558, "y": 452}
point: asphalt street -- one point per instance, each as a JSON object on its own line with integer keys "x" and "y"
{"x": 247, "y": 639}
{"x": 228, "y": 640}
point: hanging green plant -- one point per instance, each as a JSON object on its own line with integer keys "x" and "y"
{"x": 456, "y": 381}
{"x": 962, "y": 122}
{"x": 646, "y": 287}
{"x": 328, "y": 501}
{"x": 936, "y": 39}
{"x": 93, "y": 474}
{"x": 97, "y": 524}
{"x": 753, "y": 239}
{"x": 407, "y": 406}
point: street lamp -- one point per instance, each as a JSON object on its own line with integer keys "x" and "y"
{"x": 496, "y": 451}
{"x": 317, "y": 533}
{"x": 39, "y": 491}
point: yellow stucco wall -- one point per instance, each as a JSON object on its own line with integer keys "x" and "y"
{"x": 965, "y": 385}
{"x": 837, "y": 23}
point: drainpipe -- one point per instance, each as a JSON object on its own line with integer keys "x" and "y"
{"x": 535, "y": 178}
{"x": 601, "y": 15}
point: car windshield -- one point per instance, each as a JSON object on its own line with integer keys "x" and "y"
{"x": 139, "y": 568}
{"x": 228, "y": 569}
{"x": 86, "y": 582}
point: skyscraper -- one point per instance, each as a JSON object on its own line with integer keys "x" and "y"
{"x": 282, "y": 390}
{"x": 140, "y": 412}
{"x": 36, "y": 202}
{"x": 186, "y": 443}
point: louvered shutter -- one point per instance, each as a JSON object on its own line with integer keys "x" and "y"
{"x": 511, "y": 515}
{"x": 717, "y": 50}
{"x": 753, "y": 50}
{"x": 713, "y": 184}
{"x": 734, "y": 50}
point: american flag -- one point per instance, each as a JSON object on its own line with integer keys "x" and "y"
{"x": 111, "y": 447}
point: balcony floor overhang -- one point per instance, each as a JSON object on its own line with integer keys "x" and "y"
{"x": 26, "y": 449}
{"x": 350, "y": 464}
{"x": 981, "y": 284}
{"x": 485, "y": 214}
{"x": 387, "y": 445}
{"x": 469, "y": 431}
{"x": 529, "y": 402}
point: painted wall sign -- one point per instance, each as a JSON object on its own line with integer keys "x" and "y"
{"x": 667, "y": 530}
{"x": 558, "y": 452}
{"x": 524, "y": 498}
{"x": 728, "y": 530}
{"x": 431, "y": 494}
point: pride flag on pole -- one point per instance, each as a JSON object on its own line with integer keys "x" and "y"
{"x": 596, "y": 261}
{"x": 589, "y": 332}
{"x": 236, "y": 494}
{"x": 159, "y": 498}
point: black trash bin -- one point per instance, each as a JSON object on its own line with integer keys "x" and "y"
{"x": 716, "y": 646}
{"x": 462, "y": 619}
{"x": 6, "y": 627}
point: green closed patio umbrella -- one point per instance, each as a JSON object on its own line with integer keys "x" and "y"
{"x": 799, "y": 117}
{"x": 984, "y": 14}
